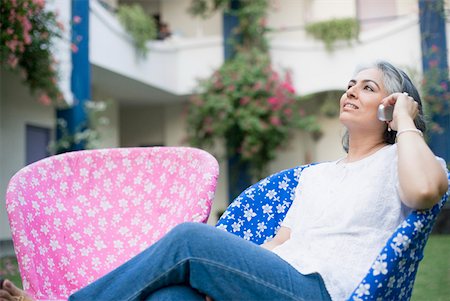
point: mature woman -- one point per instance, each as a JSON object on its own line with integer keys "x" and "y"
{"x": 339, "y": 220}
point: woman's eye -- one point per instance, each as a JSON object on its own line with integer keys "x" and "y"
{"x": 368, "y": 88}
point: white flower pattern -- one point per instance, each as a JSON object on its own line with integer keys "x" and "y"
{"x": 77, "y": 216}
{"x": 392, "y": 273}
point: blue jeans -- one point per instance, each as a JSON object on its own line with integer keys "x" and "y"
{"x": 194, "y": 260}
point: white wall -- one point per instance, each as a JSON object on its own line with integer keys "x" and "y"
{"x": 141, "y": 125}
{"x": 316, "y": 70}
{"x": 18, "y": 108}
{"x": 329, "y": 146}
{"x": 182, "y": 24}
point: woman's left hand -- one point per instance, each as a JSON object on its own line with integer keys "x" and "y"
{"x": 404, "y": 106}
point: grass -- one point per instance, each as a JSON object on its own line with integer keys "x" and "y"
{"x": 9, "y": 270}
{"x": 432, "y": 281}
{"x": 433, "y": 276}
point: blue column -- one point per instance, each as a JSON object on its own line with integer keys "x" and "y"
{"x": 75, "y": 116}
{"x": 239, "y": 177}
{"x": 230, "y": 22}
{"x": 434, "y": 55}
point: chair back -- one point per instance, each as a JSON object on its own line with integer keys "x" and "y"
{"x": 74, "y": 217}
{"x": 257, "y": 213}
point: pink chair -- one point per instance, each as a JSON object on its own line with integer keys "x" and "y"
{"x": 74, "y": 217}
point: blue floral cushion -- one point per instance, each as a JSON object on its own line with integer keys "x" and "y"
{"x": 257, "y": 213}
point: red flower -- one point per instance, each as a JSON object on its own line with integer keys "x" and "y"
{"x": 288, "y": 87}
{"x": 273, "y": 101}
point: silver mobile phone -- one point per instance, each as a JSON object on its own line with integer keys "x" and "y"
{"x": 385, "y": 113}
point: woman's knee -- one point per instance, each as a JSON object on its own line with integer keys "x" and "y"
{"x": 176, "y": 292}
{"x": 189, "y": 231}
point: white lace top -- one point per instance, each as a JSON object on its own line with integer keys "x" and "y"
{"x": 341, "y": 217}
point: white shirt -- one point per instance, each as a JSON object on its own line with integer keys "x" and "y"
{"x": 341, "y": 217}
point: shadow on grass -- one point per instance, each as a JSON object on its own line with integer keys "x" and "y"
{"x": 10, "y": 270}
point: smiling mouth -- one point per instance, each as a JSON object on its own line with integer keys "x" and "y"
{"x": 350, "y": 105}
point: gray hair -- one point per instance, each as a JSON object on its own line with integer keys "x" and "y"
{"x": 394, "y": 80}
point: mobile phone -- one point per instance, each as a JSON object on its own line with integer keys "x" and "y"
{"x": 385, "y": 113}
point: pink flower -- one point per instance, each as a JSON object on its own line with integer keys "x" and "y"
{"x": 39, "y": 3}
{"x": 433, "y": 63}
{"x": 218, "y": 84}
{"x": 244, "y": 100}
{"x": 76, "y": 19}
{"x": 74, "y": 48}
{"x": 231, "y": 88}
{"x": 275, "y": 120}
{"x": 288, "y": 87}
{"x": 60, "y": 25}
{"x": 434, "y": 48}
{"x": 12, "y": 45}
{"x": 444, "y": 85}
{"x": 9, "y": 31}
{"x": 257, "y": 86}
{"x": 44, "y": 99}
{"x": 273, "y": 101}
{"x": 12, "y": 60}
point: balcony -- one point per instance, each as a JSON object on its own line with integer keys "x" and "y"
{"x": 315, "y": 70}
{"x": 170, "y": 70}
{"x": 172, "y": 67}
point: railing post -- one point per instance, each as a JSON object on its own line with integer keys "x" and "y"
{"x": 434, "y": 55}
{"x": 75, "y": 117}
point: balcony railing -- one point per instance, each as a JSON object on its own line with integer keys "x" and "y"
{"x": 172, "y": 65}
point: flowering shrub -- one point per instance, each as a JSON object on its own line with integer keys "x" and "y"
{"x": 435, "y": 89}
{"x": 250, "y": 105}
{"x": 26, "y": 33}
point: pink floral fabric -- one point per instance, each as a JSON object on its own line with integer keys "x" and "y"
{"x": 75, "y": 217}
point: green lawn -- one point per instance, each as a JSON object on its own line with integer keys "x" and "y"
{"x": 432, "y": 282}
{"x": 433, "y": 277}
{"x": 9, "y": 269}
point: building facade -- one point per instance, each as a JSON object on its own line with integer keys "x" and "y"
{"x": 147, "y": 97}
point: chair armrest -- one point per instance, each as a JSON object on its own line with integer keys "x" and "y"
{"x": 392, "y": 274}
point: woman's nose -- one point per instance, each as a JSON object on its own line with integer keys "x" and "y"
{"x": 351, "y": 93}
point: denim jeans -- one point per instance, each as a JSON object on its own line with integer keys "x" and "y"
{"x": 194, "y": 260}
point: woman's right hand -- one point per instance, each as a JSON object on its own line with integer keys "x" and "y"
{"x": 404, "y": 107}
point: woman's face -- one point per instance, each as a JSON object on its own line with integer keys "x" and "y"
{"x": 359, "y": 104}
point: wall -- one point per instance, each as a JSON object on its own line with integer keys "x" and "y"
{"x": 287, "y": 19}
{"x": 182, "y": 24}
{"x": 141, "y": 125}
{"x": 320, "y": 10}
{"x": 110, "y": 132}
{"x": 18, "y": 108}
{"x": 329, "y": 146}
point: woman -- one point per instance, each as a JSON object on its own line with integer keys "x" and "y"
{"x": 339, "y": 220}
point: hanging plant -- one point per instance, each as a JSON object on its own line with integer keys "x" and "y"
{"x": 27, "y": 32}
{"x": 139, "y": 25}
{"x": 331, "y": 31}
{"x": 250, "y": 105}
